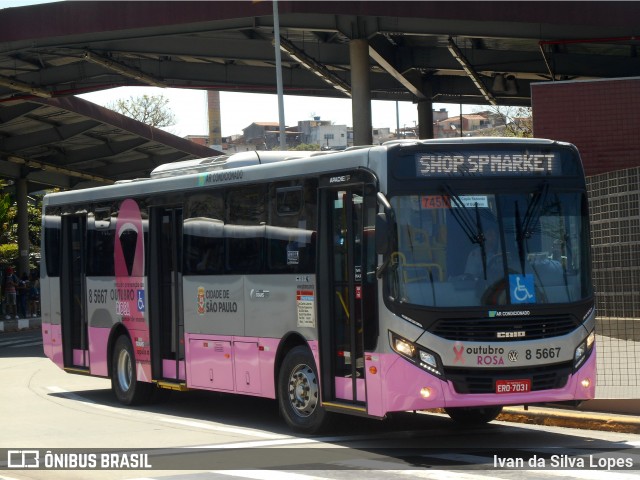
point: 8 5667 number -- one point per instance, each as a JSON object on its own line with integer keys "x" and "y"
{"x": 99, "y": 295}
{"x": 543, "y": 353}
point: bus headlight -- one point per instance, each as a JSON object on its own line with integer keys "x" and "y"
{"x": 579, "y": 355}
{"x": 403, "y": 347}
{"x": 417, "y": 354}
{"x": 428, "y": 358}
{"x": 583, "y": 350}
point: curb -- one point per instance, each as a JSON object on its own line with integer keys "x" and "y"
{"x": 607, "y": 422}
{"x": 20, "y": 324}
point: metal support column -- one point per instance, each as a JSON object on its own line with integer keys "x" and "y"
{"x": 279, "y": 86}
{"x": 360, "y": 92}
{"x": 425, "y": 112}
{"x": 23, "y": 226}
{"x": 425, "y": 119}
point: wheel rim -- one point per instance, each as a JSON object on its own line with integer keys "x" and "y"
{"x": 125, "y": 370}
{"x": 303, "y": 390}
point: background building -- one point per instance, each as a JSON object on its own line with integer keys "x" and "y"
{"x": 262, "y": 135}
{"x": 323, "y": 133}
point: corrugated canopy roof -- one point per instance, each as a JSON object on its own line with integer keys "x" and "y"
{"x": 418, "y": 51}
{"x": 68, "y": 141}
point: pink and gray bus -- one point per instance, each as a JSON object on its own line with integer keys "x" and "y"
{"x": 413, "y": 275}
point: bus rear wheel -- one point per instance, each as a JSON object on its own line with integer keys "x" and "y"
{"x": 299, "y": 392}
{"x": 473, "y": 415}
{"x": 124, "y": 380}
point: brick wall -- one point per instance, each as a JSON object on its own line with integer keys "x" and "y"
{"x": 600, "y": 117}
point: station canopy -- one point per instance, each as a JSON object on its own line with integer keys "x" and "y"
{"x": 476, "y": 52}
{"x": 68, "y": 143}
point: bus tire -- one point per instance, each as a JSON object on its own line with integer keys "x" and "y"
{"x": 470, "y": 416}
{"x": 299, "y": 392}
{"x": 124, "y": 381}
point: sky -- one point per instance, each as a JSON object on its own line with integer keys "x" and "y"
{"x": 239, "y": 110}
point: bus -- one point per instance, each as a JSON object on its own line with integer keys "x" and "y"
{"x": 415, "y": 275}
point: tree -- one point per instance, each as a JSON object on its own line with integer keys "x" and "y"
{"x": 6, "y": 219}
{"x": 5, "y": 201}
{"x": 509, "y": 121}
{"x": 8, "y": 247}
{"x": 9, "y": 228}
{"x": 306, "y": 147}
{"x": 150, "y": 109}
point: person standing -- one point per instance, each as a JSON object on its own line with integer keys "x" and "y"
{"x": 34, "y": 294}
{"x": 22, "y": 294}
{"x": 10, "y": 285}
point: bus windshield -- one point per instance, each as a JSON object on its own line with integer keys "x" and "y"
{"x": 481, "y": 249}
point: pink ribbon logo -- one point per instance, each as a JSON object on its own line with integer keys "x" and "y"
{"x": 458, "y": 349}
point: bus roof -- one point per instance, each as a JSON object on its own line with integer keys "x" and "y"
{"x": 238, "y": 168}
{"x": 254, "y": 166}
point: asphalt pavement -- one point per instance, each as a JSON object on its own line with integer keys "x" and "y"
{"x": 602, "y": 417}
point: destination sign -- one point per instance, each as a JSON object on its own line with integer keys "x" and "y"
{"x": 475, "y": 163}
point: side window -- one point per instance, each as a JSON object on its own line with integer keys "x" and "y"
{"x": 52, "y": 251}
{"x": 291, "y": 232}
{"x": 288, "y": 201}
{"x": 131, "y": 224}
{"x": 203, "y": 234}
{"x": 128, "y": 241}
{"x": 100, "y": 243}
{"x": 244, "y": 230}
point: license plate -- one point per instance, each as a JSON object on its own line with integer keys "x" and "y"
{"x": 513, "y": 386}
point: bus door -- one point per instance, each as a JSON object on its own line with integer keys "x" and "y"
{"x": 75, "y": 344}
{"x": 165, "y": 294}
{"x": 349, "y": 295}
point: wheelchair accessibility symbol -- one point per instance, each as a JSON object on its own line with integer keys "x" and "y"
{"x": 140, "y": 300}
{"x": 522, "y": 289}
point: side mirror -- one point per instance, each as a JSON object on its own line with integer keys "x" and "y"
{"x": 383, "y": 234}
{"x": 385, "y": 224}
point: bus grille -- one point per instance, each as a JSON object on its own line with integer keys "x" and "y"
{"x": 510, "y": 328}
{"x": 467, "y": 380}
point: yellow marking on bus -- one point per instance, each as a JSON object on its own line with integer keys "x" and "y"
{"x": 181, "y": 387}
{"x": 78, "y": 371}
{"x": 346, "y": 407}
{"x": 344, "y": 305}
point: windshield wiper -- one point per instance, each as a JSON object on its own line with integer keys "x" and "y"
{"x": 524, "y": 228}
{"x": 481, "y": 242}
{"x": 534, "y": 208}
{"x": 475, "y": 233}
{"x": 566, "y": 239}
{"x": 519, "y": 238}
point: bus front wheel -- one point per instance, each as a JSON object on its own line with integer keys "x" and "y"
{"x": 124, "y": 380}
{"x": 473, "y": 415}
{"x": 299, "y": 392}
